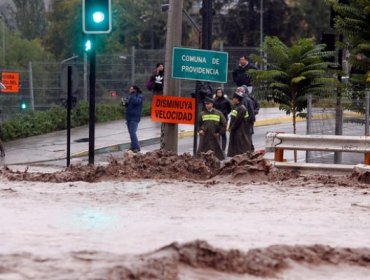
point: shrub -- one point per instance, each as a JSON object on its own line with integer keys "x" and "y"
{"x": 40, "y": 122}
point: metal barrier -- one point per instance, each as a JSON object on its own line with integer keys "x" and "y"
{"x": 278, "y": 142}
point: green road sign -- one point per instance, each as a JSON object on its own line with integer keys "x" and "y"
{"x": 200, "y": 65}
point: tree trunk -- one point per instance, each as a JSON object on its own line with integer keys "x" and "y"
{"x": 294, "y": 131}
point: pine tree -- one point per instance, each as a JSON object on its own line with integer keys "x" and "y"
{"x": 294, "y": 73}
{"x": 353, "y": 21}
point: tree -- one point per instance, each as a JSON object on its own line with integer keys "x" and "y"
{"x": 353, "y": 21}
{"x": 239, "y": 21}
{"x": 293, "y": 73}
{"x": 31, "y": 18}
{"x": 64, "y": 35}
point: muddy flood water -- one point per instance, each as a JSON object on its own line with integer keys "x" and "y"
{"x": 164, "y": 216}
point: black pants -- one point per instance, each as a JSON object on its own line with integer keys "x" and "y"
{"x": 223, "y": 141}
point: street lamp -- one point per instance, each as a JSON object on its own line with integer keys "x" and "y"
{"x": 261, "y": 27}
{"x": 165, "y": 8}
{"x": 260, "y": 11}
{"x": 3, "y": 39}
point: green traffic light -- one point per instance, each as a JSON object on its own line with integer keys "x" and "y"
{"x": 88, "y": 45}
{"x": 98, "y": 17}
{"x": 23, "y": 105}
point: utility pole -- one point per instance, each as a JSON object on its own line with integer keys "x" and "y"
{"x": 207, "y": 17}
{"x": 172, "y": 86}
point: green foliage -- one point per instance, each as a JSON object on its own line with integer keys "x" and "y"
{"x": 293, "y": 73}
{"x": 64, "y": 34}
{"x": 134, "y": 23}
{"x": 34, "y": 123}
{"x": 41, "y": 122}
{"x": 147, "y": 108}
{"x": 31, "y": 18}
{"x": 239, "y": 21}
{"x": 353, "y": 21}
{"x": 19, "y": 51}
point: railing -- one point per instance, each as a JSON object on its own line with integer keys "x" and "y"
{"x": 278, "y": 142}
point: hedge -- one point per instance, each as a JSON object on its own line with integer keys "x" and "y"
{"x": 40, "y": 122}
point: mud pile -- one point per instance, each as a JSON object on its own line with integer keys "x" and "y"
{"x": 158, "y": 164}
{"x": 251, "y": 166}
{"x": 170, "y": 262}
{"x": 164, "y": 165}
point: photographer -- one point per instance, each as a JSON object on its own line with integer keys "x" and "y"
{"x": 134, "y": 106}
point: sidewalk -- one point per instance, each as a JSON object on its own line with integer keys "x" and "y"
{"x": 109, "y": 137}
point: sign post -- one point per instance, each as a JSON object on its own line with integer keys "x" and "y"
{"x": 172, "y": 109}
{"x": 11, "y": 82}
{"x": 96, "y": 19}
{"x": 199, "y": 65}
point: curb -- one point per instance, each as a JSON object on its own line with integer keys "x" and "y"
{"x": 181, "y": 135}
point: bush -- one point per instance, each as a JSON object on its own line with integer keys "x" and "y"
{"x": 40, "y": 122}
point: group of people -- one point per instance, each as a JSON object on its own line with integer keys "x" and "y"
{"x": 218, "y": 115}
{"x": 238, "y": 116}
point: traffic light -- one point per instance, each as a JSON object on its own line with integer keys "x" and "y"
{"x": 87, "y": 45}
{"x": 23, "y": 105}
{"x": 96, "y": 16}
{"x": 88, "y": 42}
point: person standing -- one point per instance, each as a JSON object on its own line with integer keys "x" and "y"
{"x": 249, "y": 105}
{"x": 157, "y": 79}
{"x": 239, "y": 142}
{"x": 222, "y": 104}
{"x": 212, "y": 123}
{"x": 134, "y": 106}
{"x": 240, "y": 76}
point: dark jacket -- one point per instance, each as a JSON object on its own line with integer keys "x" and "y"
{"x": 223, "y": 105}
{"x": 240, "y": 77}
{"x": 158, "y": 81}
{"x": 239, "y": 142}
{"x": 211, "y": 122}
{"x": 134, "y": 106}
{"x": 249, "y": 104}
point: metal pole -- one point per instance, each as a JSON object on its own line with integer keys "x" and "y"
{"x": 261, "y": 27}
{"x": 338, "y": 107}
{"x": 133, "y": 53}
{"x": 367, "y": 109}
{"x": 172, "y": 86}
{"x": 3, "y": 22}
{"x": 195, "y": 139}
{"x": 207, "y": 15}
{"x": 85, "y": 77}
{"x": 309, "y": 123}
{"x": 222, "y": 49}
{"x": 32, "y": 99}
{"x": 69, "y": 107}
{"x": 92, "y": 78}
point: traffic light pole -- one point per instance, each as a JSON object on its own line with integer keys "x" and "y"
{"x": 172, "y": 86}
{"x": 92, "y": 81}
{"x": 69, "y": 107}
{"x": 207, "y": 17}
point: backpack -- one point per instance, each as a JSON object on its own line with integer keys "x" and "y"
{"x": 149, "y": 84}
{"x": 256, "y": 105}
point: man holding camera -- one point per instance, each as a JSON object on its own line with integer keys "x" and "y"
{"x": 134, "y": 106}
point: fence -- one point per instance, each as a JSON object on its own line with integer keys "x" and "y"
{"x": 41, "y": 86}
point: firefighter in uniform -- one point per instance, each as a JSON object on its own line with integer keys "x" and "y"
{"x": 240, "y": 130}
{"x": 212, "y": 123}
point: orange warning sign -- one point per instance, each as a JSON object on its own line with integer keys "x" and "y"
{"x": 171, "y": 109}
{"x": 11, "y": 82}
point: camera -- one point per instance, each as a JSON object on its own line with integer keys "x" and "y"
{"x": 124, "y": 101}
